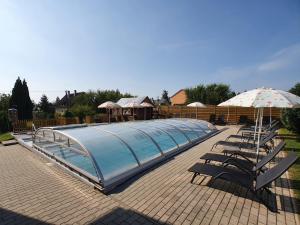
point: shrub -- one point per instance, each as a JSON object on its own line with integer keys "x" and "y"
{"x": 4, "y": 123}
{"x": 81, "y": 111}
{"x": 290, "y": 118}
{"x": 68, "y": 114}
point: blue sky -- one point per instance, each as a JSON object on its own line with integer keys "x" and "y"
{"x": 143, "y": 47}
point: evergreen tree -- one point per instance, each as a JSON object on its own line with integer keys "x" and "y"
{"x": 28, "y": 103}
{"x": 44, "y": 104}
{"x": 20, "y": 100}
{"x": 165, "y": 97}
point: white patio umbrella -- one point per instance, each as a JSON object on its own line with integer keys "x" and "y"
{"x": 146, "y": 105}
{"x": 133, "y": 105}
{"x": 262, "y": 98}
{"x": 109, "y": 105}
{"x": 196, "y": 105}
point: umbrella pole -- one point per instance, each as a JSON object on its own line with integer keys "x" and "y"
{"x": 145, "y": 113}
{"x": 196, "y": 113}
{"x": 108, "y": 115}
{"x": 259, "y": 132}
{"x": 256, "y": 122}
{"x": 270, "y": 116}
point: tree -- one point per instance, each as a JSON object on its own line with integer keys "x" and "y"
{"x": 44, "y": 104}
{"x": 57, "y": 100}
{"x": 210, "y": 94}
{"x": 4, "y": 102}
{"x": 20, "y": 99}
{"x": 165, "y": 97}
{"x": 291, "y": 117}
{"x": 81, "y": 111}
{"x": 95, "y": 98}
{"x": 46, "y": 108}
{"x": 296, "y": 89}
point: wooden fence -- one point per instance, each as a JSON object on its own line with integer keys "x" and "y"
{"x": 26, "y": 125}
{"x": 231, "y": 115}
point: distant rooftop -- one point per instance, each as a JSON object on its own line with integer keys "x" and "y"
{"x": 123, "y": 101}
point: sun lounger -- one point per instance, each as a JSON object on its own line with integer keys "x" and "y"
{"x": 243, "y": 162}
{"x": 265, "y": 128}
{"x": 252, "y": 183}
{"x": 247, "y": 145}
{"x": 246, "y": 136}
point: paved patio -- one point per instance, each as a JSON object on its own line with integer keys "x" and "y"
{"x": 34, "y": 191}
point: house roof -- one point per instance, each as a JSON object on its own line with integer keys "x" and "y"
{"x": 124, "y": 101}
{"x": 64, "y": 101}
{"x": 177, "y": 93}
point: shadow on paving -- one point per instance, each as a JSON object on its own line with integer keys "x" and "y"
{"x": 268, "y": 198}
{"x": 10, "y": 217}
{"x": 287, "y": 183}
{"x": 125, "y": 217}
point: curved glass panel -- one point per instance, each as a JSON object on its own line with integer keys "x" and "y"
{"x": 194, "y": 126}
{"x": 143, "y": 147}
{"x": 62, "y": 147}
{"x": 177, "y": 135}
{"x": 184, "y": 127}
{"x": 111, "y": 154}
{"x": 206, "y": 126}
{"x": 165, "y": 142}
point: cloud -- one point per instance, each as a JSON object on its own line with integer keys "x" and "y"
{"x": 279, "y": 70}
{"x": 281, "y": 59}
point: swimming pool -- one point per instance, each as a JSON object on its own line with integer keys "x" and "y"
{"x": 111, "y": 153}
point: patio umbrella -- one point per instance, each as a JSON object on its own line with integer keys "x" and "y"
{"x": 196, "y": 105}
{"x": 261, "y": 98}
{"x": 133, "y": 105}
{"x": 146, "y": 105}
{"x": 109, "y": 105}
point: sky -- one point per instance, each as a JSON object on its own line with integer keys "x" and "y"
{"x": 143, "y": 47}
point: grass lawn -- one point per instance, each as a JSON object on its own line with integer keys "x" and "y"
{"x": 293, "y": 144}
{"x": 5, "y": 137}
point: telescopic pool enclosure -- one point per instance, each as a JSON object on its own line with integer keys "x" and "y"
{"x": 108, "y": 154}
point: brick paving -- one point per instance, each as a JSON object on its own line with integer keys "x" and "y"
{"x": 34, "y": 191}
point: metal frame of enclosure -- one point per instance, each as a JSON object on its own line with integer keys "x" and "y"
{"x": 108, "y": 154}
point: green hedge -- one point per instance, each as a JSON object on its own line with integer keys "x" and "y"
{"x": 290, "y": 118}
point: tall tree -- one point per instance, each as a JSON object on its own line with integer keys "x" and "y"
{"x": 20, "y": 99}
{"x": 165, "y": 97}
{"x": 44, "y": 104}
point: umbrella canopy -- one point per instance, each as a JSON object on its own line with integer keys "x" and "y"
{"x": 109, "y": 105}
{"x": 133, "y": 105}
{"x": 264, "y": 97}
{"x": 147, "y": 105}
{"x": 196, "y": 104}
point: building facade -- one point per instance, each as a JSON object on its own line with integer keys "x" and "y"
{"x": 179, "y": 98}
